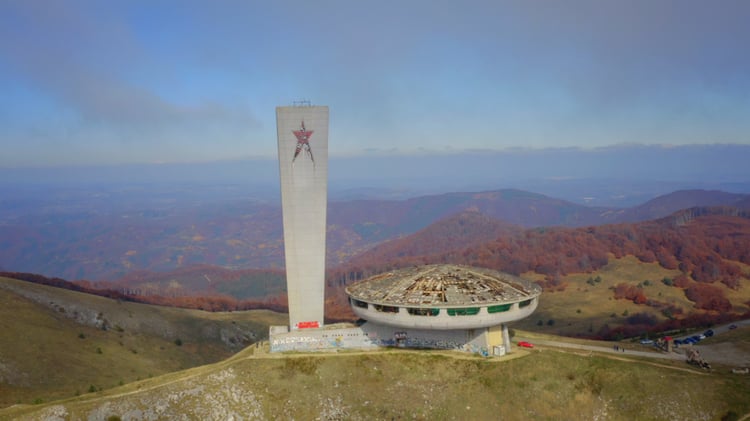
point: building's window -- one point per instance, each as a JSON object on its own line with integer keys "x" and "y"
{"x": 358, "y": 303}
{"x": 468, "y": 311}
{"x": 498, "y": 308}
{"x": 423, "y": 311}
{"x": 385, "y": 309}
{"x": 526, "y": 303}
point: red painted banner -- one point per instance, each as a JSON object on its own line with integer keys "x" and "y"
{"x": 307, "y": 325}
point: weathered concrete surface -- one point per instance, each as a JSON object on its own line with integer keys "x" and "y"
{"x": 303, "y": 169}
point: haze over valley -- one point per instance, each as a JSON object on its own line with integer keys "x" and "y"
{"x": 99, "y": 223}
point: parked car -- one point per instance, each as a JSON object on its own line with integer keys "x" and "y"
{"x": 524, "y": 344}
{"x": 732, "y": 326}
{"x": 646, "y": 341}
{"x": 709, "y": 333}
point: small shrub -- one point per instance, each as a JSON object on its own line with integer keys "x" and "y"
{"x": 730, "y": 416}
{"x": 178, "y": 342}
{"x": 593, "y": 281}
{"x": 681, "y": 281}
{"x": 305, "y": 365}
{"x": 641, "y": 319}
{"x": 630, "y": 292}
{"x": 98, "y": 350}
{"x": 708, "y": 297}
{"x": 92, "y": 389}
{"x": 81, "y": 336}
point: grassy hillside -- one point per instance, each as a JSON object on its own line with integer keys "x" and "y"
{"x": 545, "y": 384}
{"x": 585, "y": 307}
{"x": 57, "y": 343}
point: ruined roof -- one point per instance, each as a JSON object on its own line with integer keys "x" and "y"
{"x": 443, "y": 286}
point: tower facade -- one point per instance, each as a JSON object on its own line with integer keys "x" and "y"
{"x": 303, "y": 168}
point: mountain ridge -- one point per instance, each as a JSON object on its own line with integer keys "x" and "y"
{"x": 107, "y": 244}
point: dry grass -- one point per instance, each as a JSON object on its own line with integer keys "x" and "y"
{"x": 740, "y": 298}
{"x": 546, "y": 385}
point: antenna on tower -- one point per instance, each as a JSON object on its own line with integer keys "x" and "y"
{"x": 302, "y": 103}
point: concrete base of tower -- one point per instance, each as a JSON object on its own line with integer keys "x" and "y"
{"x": 488, "y": 341}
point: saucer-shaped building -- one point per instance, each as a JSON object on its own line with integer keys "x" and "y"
{"x": 456, "y": 306}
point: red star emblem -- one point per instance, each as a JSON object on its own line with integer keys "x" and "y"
{"x": 303, "y": 141}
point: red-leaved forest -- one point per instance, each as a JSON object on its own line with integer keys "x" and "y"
{"x": 707, "y": 245}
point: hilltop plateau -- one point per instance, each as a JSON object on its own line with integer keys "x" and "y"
{"x": 544, "y": 383}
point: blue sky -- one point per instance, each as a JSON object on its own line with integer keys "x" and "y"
{"x": 98, "y": 83}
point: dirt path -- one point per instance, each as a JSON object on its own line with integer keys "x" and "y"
{"x": 639, "y": 361}
{"x": 608, "y": 350}
{"x": 724, "y": 353}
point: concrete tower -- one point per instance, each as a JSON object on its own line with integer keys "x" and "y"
{"x": 303, "y": 167}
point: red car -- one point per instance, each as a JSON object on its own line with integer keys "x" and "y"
{"x": 524, "y": 344}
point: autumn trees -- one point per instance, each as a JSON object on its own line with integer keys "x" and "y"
{"x": 704, "y": 244}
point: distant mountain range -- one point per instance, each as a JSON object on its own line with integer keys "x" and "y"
{"x": 106, "y": 244}
{"x": 683, "y": 199}
{"x": 698, "y": 257}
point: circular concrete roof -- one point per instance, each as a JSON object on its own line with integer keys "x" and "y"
{"x": 443, "y": 286}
